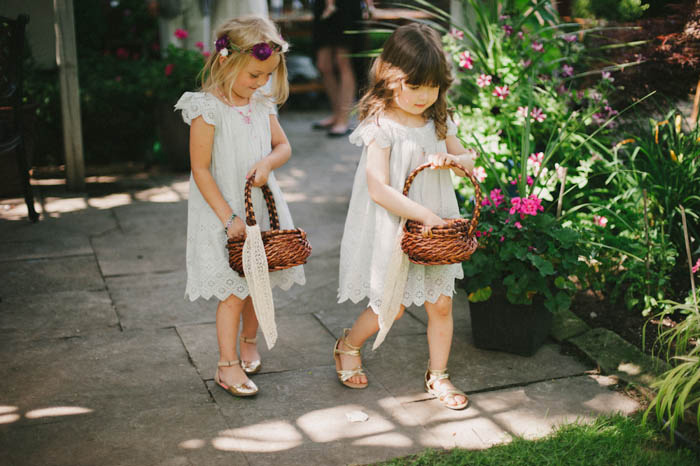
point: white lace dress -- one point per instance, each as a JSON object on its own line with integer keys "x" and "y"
{"x": 237, "y": 146}
{"x": 371, "y": 231}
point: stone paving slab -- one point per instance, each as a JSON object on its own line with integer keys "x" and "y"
{"x": 471, "y": 369}
{"x": 30, "y": 277}
{"x": 530, "y": 411}
{"x": 275, "y": 428}
{"x": 157, "y": 300}
{"x": 344, "y": 315}
{"x": 151, "y": 238}
{"x": 144, "y": 369}
{"x": 59, "y": 314}
{"x": 165, "y": 436}
{"x": 617, "y": 356}
{"x": 302, "y": 342}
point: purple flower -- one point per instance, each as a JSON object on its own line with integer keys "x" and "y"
{"x": 508, "y": 29}
{"x": 262, "y": 51}
{"x": 221, "y": 43}
{"x": 567, "y": 70}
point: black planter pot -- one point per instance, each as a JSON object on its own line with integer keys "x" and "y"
{"x": 514, "y": 328}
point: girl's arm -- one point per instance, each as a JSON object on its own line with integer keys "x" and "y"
{"x": 392, "y": 200}
{"x": 201, "y": 143}
{"x": 280, "y": 154}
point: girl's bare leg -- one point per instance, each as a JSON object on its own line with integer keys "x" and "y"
{"x": 366, "y": 325}
{"x": 228, "y": 316}
{"x": 440, "y": 327}
{"x": 249, "y": 351}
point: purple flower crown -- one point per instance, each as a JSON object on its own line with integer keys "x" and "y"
{"x": 260, "y": 51}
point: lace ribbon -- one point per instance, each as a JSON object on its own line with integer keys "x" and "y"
{"x": 394, "y": 285}
{"x": 258, "y": 277}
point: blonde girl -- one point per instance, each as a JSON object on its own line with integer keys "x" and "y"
{"x": 235, "y": 134}
{"x": 404, "y": 123}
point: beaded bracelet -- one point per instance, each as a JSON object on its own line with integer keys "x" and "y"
{"x": 229, "y": 222}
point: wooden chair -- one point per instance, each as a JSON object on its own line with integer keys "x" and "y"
{"x": 11, "y": 132}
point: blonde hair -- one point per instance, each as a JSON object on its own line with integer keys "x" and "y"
{"x": 413, "y": 55}
{"x": 244, "y": 33}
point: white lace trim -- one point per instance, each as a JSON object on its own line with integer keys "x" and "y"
{"x": 368, "y": 131}
{"x": 258, "y": 276}
{"x": 194, "y": 104}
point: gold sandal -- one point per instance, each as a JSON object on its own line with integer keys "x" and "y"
{"x": 442, "y": 392}
{"x": 247, "y": 388}
{"x": 251, "y": 367}
{"x": 345, "y": 375}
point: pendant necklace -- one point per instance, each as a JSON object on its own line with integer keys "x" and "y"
{"x": 245, "y": 116}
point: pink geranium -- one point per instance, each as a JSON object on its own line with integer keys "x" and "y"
{"x": 518, "y": 225}
{"x": 181, "y": 33}
{"x": 199, "y": 45}
{"x": 525, "y": 206}
{"x": 483, "y": 80}
{"x": 465, "y": 60}
{"x": 169, "y": 69}
{"x": 496, "y": 197}
{"x": 600, "y": 220}
{"x": 501, "y": 92}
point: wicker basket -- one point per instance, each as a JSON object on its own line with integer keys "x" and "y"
{"x": 447, "y": 244}
{"x": 284, "y": 248}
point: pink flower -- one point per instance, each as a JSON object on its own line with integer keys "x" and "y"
{"x": 520, "y": 35}
{"x": 483, "y": 80}
{"x": 465, "y": 60}
{"x": 535, "y": 161}
{"x": 525, "y": 63}
{"x": 600, "y": 220}
{"x": 607, "y": 76}
{"x": 122, "y": 53}
{"x": 530, "y": 181}
{"x": 181, "y": 33}
{"x": 496, "y": 197}
{"x": 508, "y": 29}
{"x": 485, "y": 202}
{"x": 538, "y": 115}
{"x": 456, "y": 33}
{"x": 169, "y": 69}
{"x": 696, "y": 267}
{"x": 537, "y": 47}
{"x": 522, "y": 112}
{"x": 525, "y": 206}
{"x": 518, "y": 225}
{"x": 480, "y": 174}
{"x": 501, "y": 92}
{"x": 503, "y": 238}
{"x": 199, "y": 45}
{"x": 570, "y": 38}
{"x": 206, "y": 54}
{"x": 567, "y": 70}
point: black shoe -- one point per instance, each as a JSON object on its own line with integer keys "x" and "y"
{"x": 339, "y": 134}
{"x": 321, "y": 126}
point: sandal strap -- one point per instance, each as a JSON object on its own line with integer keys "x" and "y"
{"x": 347, "y": 343}
{"x": 235, "y": 362}
{"x": 450, "y": 392}
{"x": 347, "y": 374}
{"x": 251, "y": 341}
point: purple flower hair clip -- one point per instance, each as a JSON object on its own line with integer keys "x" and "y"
{"x": 261, "y": 51}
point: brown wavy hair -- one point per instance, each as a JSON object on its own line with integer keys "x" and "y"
{"x": 412, "y": 54}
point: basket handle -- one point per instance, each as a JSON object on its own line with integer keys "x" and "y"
{"x": 269, "y": 200}
{"x": 477, "y": 190}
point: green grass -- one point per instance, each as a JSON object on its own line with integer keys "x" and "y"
{"x": 610, "y": 440}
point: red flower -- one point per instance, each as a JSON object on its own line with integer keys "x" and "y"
{"x": 122, "y": 53}
{"x": 169, "y": 69}
{"x": 181, "y": 33}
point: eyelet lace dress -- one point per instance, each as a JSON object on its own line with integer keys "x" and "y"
{"x": 371, "y": 231}
{"x": 237, "y": 146}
